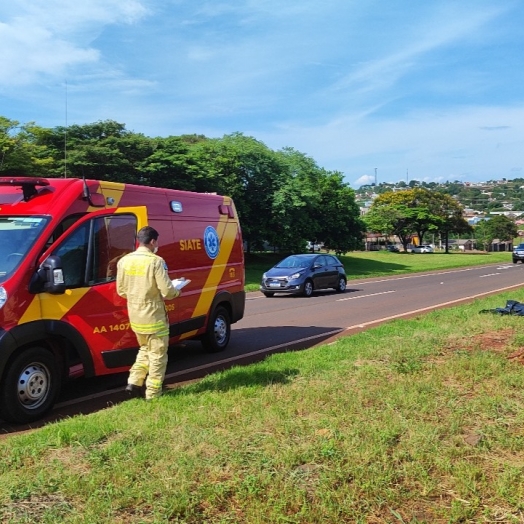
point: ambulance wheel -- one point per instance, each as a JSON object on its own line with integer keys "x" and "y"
{"x": 218, "y": 331}
{"x": 29, "y": 387}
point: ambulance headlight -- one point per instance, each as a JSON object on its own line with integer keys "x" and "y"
{"x": 3, "y": 296}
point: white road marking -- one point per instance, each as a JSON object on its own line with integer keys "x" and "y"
{"x": 364, "y": 296}
{"x": 489, "y": 275}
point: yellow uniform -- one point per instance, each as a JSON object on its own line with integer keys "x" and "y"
{"x": 143, "y": 280}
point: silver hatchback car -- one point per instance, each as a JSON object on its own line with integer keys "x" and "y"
{"x": 303, "y": 274}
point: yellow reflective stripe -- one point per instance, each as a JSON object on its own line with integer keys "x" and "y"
{"x": 227, "y": 232}
{"x": 114, "y": 190}
{"x": 150, "y": 328}
{"x": 163, "y": 333}
{"x": 52, "y": 307}
{"x": 32, "y": 313}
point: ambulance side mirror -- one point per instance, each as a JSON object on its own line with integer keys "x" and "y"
{"x": 49, "y": 277}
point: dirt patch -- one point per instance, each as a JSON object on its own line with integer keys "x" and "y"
{"x": 517, "y": 356}
{"x": 496, "y": 341}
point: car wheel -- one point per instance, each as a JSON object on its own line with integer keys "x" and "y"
{"x": 515, "y": 261}
{"x": 341, "y": 287}
{"x": 307, "y": 291}
{"x": 268, "y": 294}
{"x": 218, "y": 331}
{"x": 30, "y": 386}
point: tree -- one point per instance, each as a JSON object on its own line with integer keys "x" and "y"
{"x": 449, "y": 215}
{"x": 483, "y": 234}
{"x": 391, "y": 218}
{"x": 497, "y": 227}
{"x": 245, "y": 169}
{"x": 169, "y": 164}
{"x": 415, "y": 211}
{"x": 409, "y": 214}
{"x": 20, "y": 151}
{"x": 316, "y": 205}
{"x": 294, "y": 201}
{"x": 102, "y": 150}
{"x": 341, "y": 228}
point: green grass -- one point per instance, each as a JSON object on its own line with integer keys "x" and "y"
{"x": 365, "y": 264}
{"x": 415, "y": 421}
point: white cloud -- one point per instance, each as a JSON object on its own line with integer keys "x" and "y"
{"x": 46, "y": 38}
{"x": 365, "y": 180}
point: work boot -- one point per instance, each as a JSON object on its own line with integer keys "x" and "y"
{"x": 134, "y": 391}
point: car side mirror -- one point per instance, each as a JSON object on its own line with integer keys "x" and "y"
{"x": 49, "y": 277}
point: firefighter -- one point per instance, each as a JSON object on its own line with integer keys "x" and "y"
{"x": 143, "y": 280}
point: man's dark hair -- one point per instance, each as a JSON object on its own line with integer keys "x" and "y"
{"x": 146, "y": 234}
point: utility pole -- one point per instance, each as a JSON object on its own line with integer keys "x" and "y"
{"x": 375, "y": 177}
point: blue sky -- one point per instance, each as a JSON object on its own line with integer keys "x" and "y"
{"x": 406, "y": 90}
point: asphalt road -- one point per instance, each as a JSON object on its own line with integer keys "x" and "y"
{"x": 286, "y": 322}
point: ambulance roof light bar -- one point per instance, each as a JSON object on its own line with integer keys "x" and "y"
{"x": 27, "y": 183}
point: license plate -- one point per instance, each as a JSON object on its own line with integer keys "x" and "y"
{"x": 274, "y": 284}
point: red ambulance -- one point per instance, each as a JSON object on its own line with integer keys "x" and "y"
{"x": 60, "y": 315}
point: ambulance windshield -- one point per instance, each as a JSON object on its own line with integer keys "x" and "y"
{"x": 17, "y": 236}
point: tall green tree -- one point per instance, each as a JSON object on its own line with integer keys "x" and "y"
{"x": 294, "y": 201}
{"x": 341, "y": 228}
{"x": 314, "y": 204}
{"x": 103, "y": 150}
{"x": 415, "y": 211}
{"x": 448, "y": 216}
{"x": 170, "y": 163}
{"x": 20, "y": 151}
{"x": 497, "y": 227}
{"x": 409, "y": 214}
{"x": 245, "y": 169}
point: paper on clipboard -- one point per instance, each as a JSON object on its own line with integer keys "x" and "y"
{"x": 179, "y": 283}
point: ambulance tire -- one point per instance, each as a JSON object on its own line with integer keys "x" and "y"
{"x": 218, "y": 331}
{"x": 30, "y": 386}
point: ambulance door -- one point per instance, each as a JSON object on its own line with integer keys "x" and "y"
{"x": 89, "y": 251}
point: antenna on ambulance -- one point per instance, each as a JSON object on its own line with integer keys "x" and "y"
{"x": 94, "y": 199}
{"x": 65, "y": 134}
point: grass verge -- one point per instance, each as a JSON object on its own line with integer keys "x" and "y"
{"x": 418, "y": 421}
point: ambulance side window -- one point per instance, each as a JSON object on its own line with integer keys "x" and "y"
{"x": 63, "y": 226}
{"x": 73, "y": 251}
{"x": 113, "y": 237}
{"x": 90, "y": 253}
